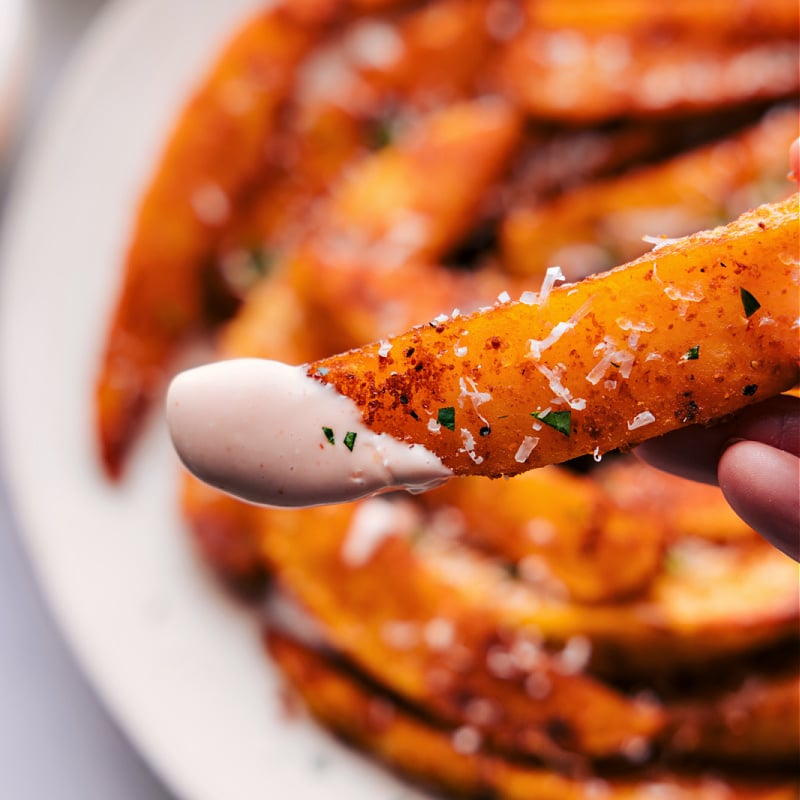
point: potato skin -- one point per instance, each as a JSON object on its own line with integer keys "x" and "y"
{"x": 678, "y": 328}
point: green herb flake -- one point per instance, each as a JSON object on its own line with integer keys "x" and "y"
{"x": 447, "y": 417}
{"x": 260, "y": 260}
{"x": 328, "y": 434}
{"x": 750, "y": 389}
{"x": 560, "y": 420}
{"x": 749, "y": 303}
{"x": 381, "y": 134}
{"x": 692, "y": 354}
{"x": 350, "y": 440}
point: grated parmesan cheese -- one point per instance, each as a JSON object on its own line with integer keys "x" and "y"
{"x": 469, "y": 445}
{"x": 554, "y": 378}
{"x": 538, "y": 346}
{"x": 551, "y": 277}
{"x": 640, "y": 420}
{"x": 525, "y": 449}
{"x": 374, "y": 520}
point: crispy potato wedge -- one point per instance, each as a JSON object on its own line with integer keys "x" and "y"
{"x": 758, "y": 722}
{"x": 411, "y": 200}
{"x": 598, "y": 225}
{"x": 431, "y": 640}
{"x": 685, "y": 508}
{"x": 707, "y": 20}
{"x": 217, "y": 147}
{"x": 393, "y": 215}
{"x": 557, "y": 529}
{"x": 456, "y": 761}
{"x": 585, "y": 78}
{"x": 684, "y": 620}
{"x": 687, "y": 334}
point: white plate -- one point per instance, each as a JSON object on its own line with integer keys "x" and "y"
{"x": 179, "y": 664}
{"x": 14, "y": 46}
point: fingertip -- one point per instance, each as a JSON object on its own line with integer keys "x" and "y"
{"x": 762, "y": 485}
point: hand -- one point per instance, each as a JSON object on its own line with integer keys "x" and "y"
{"x": 755, "y": 458}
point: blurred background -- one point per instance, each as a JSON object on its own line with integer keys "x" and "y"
{"x": 56, "y": 739}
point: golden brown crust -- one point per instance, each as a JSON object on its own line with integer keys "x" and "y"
{"x": 440, "y": 757}
{"x": 686, "y": 334}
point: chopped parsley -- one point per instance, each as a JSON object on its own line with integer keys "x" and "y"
{"x": 749, "y": 303}
{"x": 560, "y": 420}
{"x": 447, "y": 417}
{"x": 350, "y": 440}
{"x": 692, "y": 354}
{"x": 380, "y": 134}
{"x": 328, "y": 434}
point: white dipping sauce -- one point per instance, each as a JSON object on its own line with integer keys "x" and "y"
{"x": 261, "y": 430}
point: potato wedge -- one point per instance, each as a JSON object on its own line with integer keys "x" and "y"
{"x": 686, "y": 334}
{"x": 758, "y": 721}
{"x": 413, "y": 626}
{"x": 557, "y": 529}
{"x": 598, "y": 225}
{"x": 217, "y": 147}
{"x": 706, "y": 20}
{"x": 456, "y": 761}
{"x": 570, "y": 76}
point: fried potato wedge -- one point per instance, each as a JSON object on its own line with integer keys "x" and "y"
{"x": 758, "y": 721}
{"x": 432, "y": 641}
{"x": 685, "y": 620}
{"x": 557, "y": 529}
{"x": 455, "y": 760}
{"x": 411, "y": 200}
{"x": 391, "y": 218}
{"x": 690, "y": 332}
{"x": 598, "y": 225}
{"x": 588, "y": 78}
{"x": 217, "y": 147}
{"x": 707, "y": 20}
{"x": 686, "y": 509}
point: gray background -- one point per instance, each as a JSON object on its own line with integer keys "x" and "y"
{"x": 56, "y": 740}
